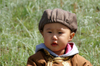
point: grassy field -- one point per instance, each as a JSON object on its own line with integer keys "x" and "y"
{"x": 19, "y": 28}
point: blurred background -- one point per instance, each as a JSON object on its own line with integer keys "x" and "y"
{"x": 19, "y": 28}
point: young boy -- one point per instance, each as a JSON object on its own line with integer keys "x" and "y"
{"x": 58, "y": 28}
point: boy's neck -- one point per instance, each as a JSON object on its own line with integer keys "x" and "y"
{"x": 59, "y": 53}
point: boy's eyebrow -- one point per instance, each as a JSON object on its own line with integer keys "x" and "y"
{"x": 57, "y": 29}
{"x": 48, "y": 29}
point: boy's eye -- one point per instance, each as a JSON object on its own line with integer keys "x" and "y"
{"x": 60, "y": 32}
{"x": 49, "y": 32}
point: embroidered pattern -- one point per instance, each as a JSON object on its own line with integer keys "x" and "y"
{"x": 49, "y": 64}
{"x": 65, "y": 64}
{"x": 64, "y": 61}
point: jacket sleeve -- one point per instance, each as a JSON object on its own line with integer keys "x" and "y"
{"x": 30, "y": 62}
{"x": 78, "y": 60}
{"x": 37, "y": 59}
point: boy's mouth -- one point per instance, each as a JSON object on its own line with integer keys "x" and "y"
{"x": 54, "y": 44}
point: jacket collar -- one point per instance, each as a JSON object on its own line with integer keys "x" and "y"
{"x": 72, "y": 52}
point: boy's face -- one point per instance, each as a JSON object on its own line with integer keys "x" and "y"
{"x": 56, "y": 36}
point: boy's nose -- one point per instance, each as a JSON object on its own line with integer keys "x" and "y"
{"x": 54, "y": 37}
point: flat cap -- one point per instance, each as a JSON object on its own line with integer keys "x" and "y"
{"x": 58, "y": 16}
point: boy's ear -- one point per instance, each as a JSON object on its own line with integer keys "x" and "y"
{"x": 71, "y": 36}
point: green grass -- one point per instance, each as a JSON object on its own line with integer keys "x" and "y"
{"x": 19, "y": 28}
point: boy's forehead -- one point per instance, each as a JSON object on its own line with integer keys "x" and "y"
{"x": 57, "y": 26}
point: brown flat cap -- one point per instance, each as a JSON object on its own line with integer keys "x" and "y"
{"x": 58, "y": 16}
